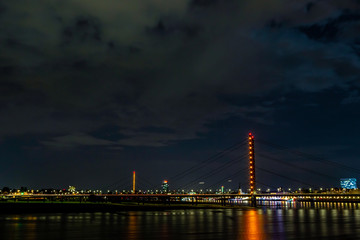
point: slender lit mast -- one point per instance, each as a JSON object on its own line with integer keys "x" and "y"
{"x": 133, "y": 182}
{"x": 252, "y": 164}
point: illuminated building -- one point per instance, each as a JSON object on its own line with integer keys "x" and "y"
{"x": 165, "y": 186}
{"x": 71, "y": 189}
{"x": 348, "y": 183}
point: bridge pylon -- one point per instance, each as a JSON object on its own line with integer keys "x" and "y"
{"x": 134, "y": 180}
{"x": 252, "y": 163}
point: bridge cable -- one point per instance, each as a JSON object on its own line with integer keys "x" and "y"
{"x": 208, "y": 160}
{"x": 215, "y": 171}
{"x": 265, "y": 184}
{"x": 296, "y": 166}
{"x": 280, "y": 175}
{"x": 228, "y": 177}
{"x": 145, "y": 182}
{"x": 117, "y": 183}
{"x": 310, "y": 156}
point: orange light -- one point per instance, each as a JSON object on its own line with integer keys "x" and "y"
{"x": 251, "y": 176}
{"x": 250, "y": 166}
{"x": 251, "y": 187}
{"x": 250, "y": 147}
{"x": 250, "y": 162}
{"x": 250, "y": 152}
{"x": 249, "y": 138}
{"x": 134, "y": 181}
{"x": 250, "y": 157}
{"x": 250, "y": 143}
{"x": 250, "y": 171}
{"x": 251, "y": 181}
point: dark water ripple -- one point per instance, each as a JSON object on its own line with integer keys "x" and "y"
{"x": 253, "y": 224}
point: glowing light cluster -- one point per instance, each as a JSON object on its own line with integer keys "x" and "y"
{"x": 165, "y": 186}
{"x": 252, "y": 163}
{"x": 348, "y": 183}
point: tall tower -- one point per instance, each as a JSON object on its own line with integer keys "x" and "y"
{"x": 252, "y": 164}
{"x": 133, "y": 190}
{"x": 165, "y": 186}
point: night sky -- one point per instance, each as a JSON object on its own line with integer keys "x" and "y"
{"x": 92, "y": 90}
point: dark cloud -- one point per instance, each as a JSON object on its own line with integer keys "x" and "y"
{"x": 2, "y": 9}
{"x": 309, "y": 6}
{"x": 330, "y": 30}
{"x": 203, "y": 3}
{"x": 327, "y": 32}
{"x": 76, "y": 140}
{"x": 83, "y": 30}
{"x": 353, "y": 97}
{"x": 78, "y": 67}
{"x": 178, "y": 28}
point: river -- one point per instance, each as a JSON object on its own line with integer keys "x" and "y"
{"x": 338, "y": 221}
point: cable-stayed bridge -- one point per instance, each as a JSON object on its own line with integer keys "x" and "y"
{"x": 250, "y": 173}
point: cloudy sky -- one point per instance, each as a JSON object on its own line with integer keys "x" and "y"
{"x": 92, "y": 90}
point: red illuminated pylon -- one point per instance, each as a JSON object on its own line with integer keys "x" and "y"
{"x": 252, "y": 164}
{"x": 133, "y": 189}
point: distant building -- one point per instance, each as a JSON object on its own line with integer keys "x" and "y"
{"x": 71, "y": 189}
{"x": 165, "y": 186}
{"x": 348, "y": 183}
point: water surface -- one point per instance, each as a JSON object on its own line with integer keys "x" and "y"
{"x": 262, "y": 223}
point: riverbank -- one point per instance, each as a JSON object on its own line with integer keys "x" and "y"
{"x": 54, "y": 207}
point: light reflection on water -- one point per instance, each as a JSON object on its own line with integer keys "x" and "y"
{"x": 250, "y": 224}
{"x": 293, "y": 204}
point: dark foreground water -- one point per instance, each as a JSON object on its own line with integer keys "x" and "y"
{"x": 265, "y": 223}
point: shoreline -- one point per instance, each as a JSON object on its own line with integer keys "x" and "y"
{"x": 36, "y": 207}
